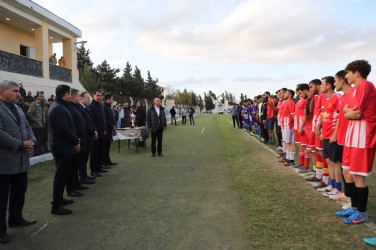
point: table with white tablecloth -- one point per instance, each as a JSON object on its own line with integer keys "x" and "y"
{"x": 137, "y": 134}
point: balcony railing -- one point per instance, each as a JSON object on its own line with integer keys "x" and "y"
{"x": 20, "y": 64}
{"x": 61, "y": 74}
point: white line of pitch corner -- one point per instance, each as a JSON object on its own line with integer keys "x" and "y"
{"x": 203, "y": 130}
{"x": 254, "y": 139}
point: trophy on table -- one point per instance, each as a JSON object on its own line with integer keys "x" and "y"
{"x": 133, "y": 119}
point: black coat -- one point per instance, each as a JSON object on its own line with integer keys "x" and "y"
{"x": 97, "y": 117}
{"x": 109, "y": 120}
{"x": 79, "y": 124}
{"x": 173, "y": 112}
{"x": 90, "y": 130}
{"x": 62, "y": 128}
{"x": 154, "y": 121}
{"x": 141, "y": 116}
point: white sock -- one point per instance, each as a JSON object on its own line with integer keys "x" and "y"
{"x": 284, "y": 147}
{"x": 287, "y": 154}
{"x": 325, "y": 179}
{"x": 318, "y": 173}
{"x": 292, "y": 156}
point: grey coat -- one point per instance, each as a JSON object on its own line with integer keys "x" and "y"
{"x": 12, "y": 134}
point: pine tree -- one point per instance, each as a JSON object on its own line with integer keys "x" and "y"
{"x": 138, "y": 83}
{"x": 200, "y": 103}
{"x": 88, "y": 79}
{"x": 108, "y": 77}
{"x": 194, "y": 99}
{"x": 209, "y": 105}
{"x": 152, "y": 90}
{"x": 83, "y": 57}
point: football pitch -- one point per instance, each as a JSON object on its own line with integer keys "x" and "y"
{"x": 215, "y": 188}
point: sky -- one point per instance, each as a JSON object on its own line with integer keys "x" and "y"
{"x": 248, "y": 46}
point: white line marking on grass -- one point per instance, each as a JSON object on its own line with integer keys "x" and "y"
{"x": 254, "y": 139}
{"x": 42, "y": 227}
{"x": 203, "y": 130}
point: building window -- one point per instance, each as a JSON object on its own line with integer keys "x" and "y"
{"x": 27, "y": 51}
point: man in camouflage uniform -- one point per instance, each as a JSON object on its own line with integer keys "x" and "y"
{"x": 36, "y": 116}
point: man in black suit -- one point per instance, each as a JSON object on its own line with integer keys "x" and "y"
{"x": 91, "y": 134}
{"x": 73, "y": 183}
{"x": 65, "y": 143}
{"x": 156, "y": 122}
{"x": 110, "y": 127}
{"x": 97, "y": 116}
{"x": 140, "y": 114}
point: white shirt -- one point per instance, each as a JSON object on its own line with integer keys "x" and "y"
{"x": 121, "y": 114}
{"x": 157, "y": 109}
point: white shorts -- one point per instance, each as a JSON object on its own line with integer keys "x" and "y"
{"x": 288, "y": 135}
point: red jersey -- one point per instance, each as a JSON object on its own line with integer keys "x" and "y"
{"x": 269, "y": 111}
{"x": 299, "y": 113}
{"x": 287, "y": 113}
{"x": 330, "y": 115}
{"x": 309, "y": 118}
{"x": 281, "y": 105}
{"x": 362, "y": 133}
{"x": 317, "y": 111}
{"x": 343, "y": 122}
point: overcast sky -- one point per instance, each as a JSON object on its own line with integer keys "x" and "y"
{"x": 248, "y": 46}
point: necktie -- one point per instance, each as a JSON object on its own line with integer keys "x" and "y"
{"x": 14, "y": 111}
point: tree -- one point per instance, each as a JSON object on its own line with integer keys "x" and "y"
{"x": 242, "y": 98}
{"x": 193, "y": 99}
{"x": 200, "y": 103}
{"x": 212, "y": 94}
{"x": 108, "y": 77}
{"x": 138, "y": 83}
{"x": 88, "y": 79}
{"x": 209, "y": 105}
{"x": 83, "y": 57}
{"x": 152, "y": 90}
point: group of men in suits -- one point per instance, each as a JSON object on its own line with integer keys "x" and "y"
{"x": 79, "y": 128}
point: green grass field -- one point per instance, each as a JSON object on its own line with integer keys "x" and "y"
{"x": 216, "y": 188}
{"x": 184, "y": 200}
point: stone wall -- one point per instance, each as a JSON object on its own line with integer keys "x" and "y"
{"x": 60, "y": 73}
{"x": 19, "y": 64}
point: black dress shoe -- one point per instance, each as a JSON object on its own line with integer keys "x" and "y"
{"x": 60, "y": 210}
{"x": 160, "y": 155}
{"x": 75, "y": 194}
{"x": 82, "y": 188}
{"x": 111, "y": 163}
{"x": 102, "y": 171}
{"x": 87, "y": 181}
{"x": 106, "y": 167}
{"x": 96, "y": 174}
{"x": 91, "y": 178}
{"x": 21, "y": 223}
{"x": 66, "y": 202}
{"x": 4, "y": 238}
{"x": 153, "y": 155}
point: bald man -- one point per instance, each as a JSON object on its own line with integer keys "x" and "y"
{"x": 156, "y": 122}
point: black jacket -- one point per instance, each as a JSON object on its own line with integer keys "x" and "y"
{"x": 173, "y": 112}
{"x": 141, "y": 116}
{"x": 62, "y": 128}
{"x": 90, "y": 130}
{"x": 154, "y": 121}
{"x": 79, "y": 124}
{"x": 109, "y": 120}
{"x": 97, "y": 117}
